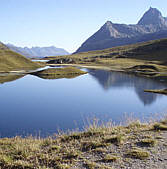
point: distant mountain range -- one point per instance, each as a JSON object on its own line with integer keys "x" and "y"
{"x": 150, "y": 27}
{"x": 38, "y": 51}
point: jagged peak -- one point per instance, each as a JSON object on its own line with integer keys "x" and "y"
{"x": 152, "y": 16}
{"x": 153, "y": 10}
{"x": 107, "y": 24}
{"x": 152, "y": 24}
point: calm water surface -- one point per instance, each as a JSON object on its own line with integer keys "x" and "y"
{"x": 31, "y": 105}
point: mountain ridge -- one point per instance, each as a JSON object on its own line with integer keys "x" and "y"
{"x": 151, "y": 25}
{"x": 38, "y": 51}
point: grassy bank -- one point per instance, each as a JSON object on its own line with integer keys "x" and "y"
{"x": 136, "y": 145}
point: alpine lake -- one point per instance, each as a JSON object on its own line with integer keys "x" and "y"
{"x": 41, "y": 107}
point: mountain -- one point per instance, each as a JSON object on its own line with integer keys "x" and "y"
{"x": 38, "y": 51}
{"x": 150, "y": 27}
{"x": 154, "y": 17}
{"x": 10, "y": 60}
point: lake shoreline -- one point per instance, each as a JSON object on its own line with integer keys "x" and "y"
{"x": 135, "y": 145}
{"x": 140, "y": 73}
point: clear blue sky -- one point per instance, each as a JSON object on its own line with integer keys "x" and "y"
{"x": 66, "y": 23}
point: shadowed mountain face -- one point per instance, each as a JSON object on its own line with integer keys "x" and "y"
{"x": 110, "y": 80}
{"x": 38, "y": 51}
{"x": 150, "y": 27}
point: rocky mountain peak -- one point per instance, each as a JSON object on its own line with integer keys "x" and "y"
{"x": 109, "y": 29}
{"x": 150, "y": 27}
{"x": 108, "y": 23}
{"x": 107, "y": 26}
{"x": 152, "y": 16}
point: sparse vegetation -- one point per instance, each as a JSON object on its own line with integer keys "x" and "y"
{"x": 147, "y": 142}
{"x": 160, "y": 126}
{"x": 117, "y": 139}
{"x": 109, "y": 158}
{"x": 97, "y": 146}
{"x": 138, "y": 153}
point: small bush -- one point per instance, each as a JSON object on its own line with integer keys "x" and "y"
{"x": 164, "y": 122}
{"x": 109, "y": 158}
{"x": 89, "y": 145}
{"x": 90, "y": 165}
{"x": 114, "y": 139}
{"x": 147, "y": 142}
{"x": 159, "y": 126}
{"x": 100, "y": 150}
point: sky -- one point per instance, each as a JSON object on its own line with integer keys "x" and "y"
{"x": 66, "y": 23}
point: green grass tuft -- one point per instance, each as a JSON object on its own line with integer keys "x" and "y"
{"x": 138, "y": 153}
{"x": 118, "y": 139}
{"x": 109, "y": 158}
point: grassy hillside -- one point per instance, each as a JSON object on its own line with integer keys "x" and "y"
{"x": 146, "y": 59}
{"x": 10, "y": 60}
{"x": 151, "y": 50}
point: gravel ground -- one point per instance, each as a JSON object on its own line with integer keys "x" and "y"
{"x": 157, "y": 153}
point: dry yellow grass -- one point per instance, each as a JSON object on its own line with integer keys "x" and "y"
{"x": 10, "y": 60}
{"x": 96, "y": 146}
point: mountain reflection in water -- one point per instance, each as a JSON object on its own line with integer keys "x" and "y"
{"x": 30, "y": 104}
{"x": 110, "y": 80}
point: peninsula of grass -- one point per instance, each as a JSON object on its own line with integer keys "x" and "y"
{"x": 161, "y": 91}
{"x": 56, "y": 73}
{"x": 135, "y": 146}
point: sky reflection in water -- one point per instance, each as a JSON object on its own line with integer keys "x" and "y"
{"x": 31, "y": 104}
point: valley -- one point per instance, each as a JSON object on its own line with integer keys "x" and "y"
{"x": 101, "y": 107}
